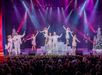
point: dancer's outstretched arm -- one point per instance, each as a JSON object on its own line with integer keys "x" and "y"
{"x": 23, "y": 34}
{"x": 36, "y": 33}
{"x": 64, "y": 27}
{"x": 71, "y": 31}
{"x": 29, "y": 39}
{"x": 60, "y": 36}
{"x": 71, "y": 34}
{"x": 41, "y": 31}
{"x": 48, "y": 27}
{"x": 77, "y": 40}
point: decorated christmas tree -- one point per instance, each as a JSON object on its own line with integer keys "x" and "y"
{"x": 98, "y": 40}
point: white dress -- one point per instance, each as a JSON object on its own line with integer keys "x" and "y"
{"x": 50, "y": 40}
{"x": 33, "y": 40}
{"x": 50, "y": 44}
{"x": 9, "y": 45}
{"x": 67, "y": 34}
{"x": 74, "y": 42}
{"x": 46, "y": 33}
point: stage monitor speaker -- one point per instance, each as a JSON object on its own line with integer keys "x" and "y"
{"x": 32, "y": 52}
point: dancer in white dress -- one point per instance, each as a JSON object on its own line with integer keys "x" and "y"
{"x": 49, "y": 44}
{"x": 33, "y": 39}
{"x": 45, "y": 32}
{"x": 55, "y": 42}
{"x": 9, "y": 45}
{"x": 67, "y": 34}
{"x": 74, "y": 43}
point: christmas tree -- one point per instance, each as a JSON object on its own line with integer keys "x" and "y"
{"x": 98, "y": 40}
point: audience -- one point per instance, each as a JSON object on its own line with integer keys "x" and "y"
{"x": 51, "y": 66}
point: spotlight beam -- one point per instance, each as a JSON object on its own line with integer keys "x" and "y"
{"x": 42, "y": 16}
{"x": 41, "y": 6}
{"x": 17, "y": 13}
{"x": 96, "y": 4}
{"x": 80, "y": 13}
{"x": 69, "y": 16}
{"x": 63, "y": 13}
{"x": 59, "y": 14}
{"x": 75, "y": 4}
{"x": 50, "y": 11}
{"x": 67, "y": 6}
{"x": 23, "y": 21}
{"x": 32, "y": 17}
{"x": 85, "y": 23}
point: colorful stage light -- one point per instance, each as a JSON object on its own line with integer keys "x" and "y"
{"x": 96, "y": 4}
{"x": 46, "y": 12}
{"x": 41, "y": 6}
{"x": 50, "y": 11}
{"x": 32, "y": 16}
{"x": 59, "y": 14}
{"x": 42, "y": 16}
{"x": 69, "y": 16}
{"x": 67, "y": 6}
{"x": 17, "y": 14}
{"x": 82, "y": 9}
{"x": 87, "y": 23}
{"x": 75, "y": 4}
{"x": 63, "y": 14}
{"x": 86, "y": 30}
{"x": 23, "y": 21}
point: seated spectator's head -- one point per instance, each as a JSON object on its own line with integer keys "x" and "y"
{"x": 1, "y": 71}
{"x": 28, "y": 73}
{"x": 59, "y": 61}
{"x": 87, "y": 74}
{"x": 97, "y": 67}
{"x": 84, "y": 59}
{"x": 100, "y": 69}
{"x": 19, "y": 71}
{"x": 78, "y": 73}
{"x": 87, "y": 69}
{"x": 44, "y": 73}
{"x": 93, "y": 71}
{"x": 7, "y": 70}
{"x": 67, "y": 60}
{"x": 13, "y": 69}
{"x": 64, "y": 72}
{"x": 89, "y": 62}
{"x": 31, "y": 70}
{"x": 98, "y": 73}
{"x": 70, "y": 64}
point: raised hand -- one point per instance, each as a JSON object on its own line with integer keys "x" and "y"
{"x": 24, "y": 32}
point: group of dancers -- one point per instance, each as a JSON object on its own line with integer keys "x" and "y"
{"x": 49, "y": 39}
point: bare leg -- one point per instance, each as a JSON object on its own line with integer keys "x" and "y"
{"x": 54, "y": 49}
{"x": 34, "y": 47}
{"x": 72, "y": 49}
{"x": 46, "y": 40}
{"x": 75, "y": 49}
{"x": 67, "y": 41}
{"x": 49, "y": 50}
{"x": 9, "y": 52}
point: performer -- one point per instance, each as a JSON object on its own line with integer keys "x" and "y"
{"x": 9, "y": 45}
{"x": 55, "y": 41}
{"x": 49, "y": 44}
{"x": 67, "y": 34}
{"x": 33, "y": 38}
{"x": 74, "y": 43}
{"x": 45, "y": 32}
{"x": 17, "y": 42}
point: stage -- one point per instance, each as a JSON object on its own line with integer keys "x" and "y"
{"x": 63, "y": 49}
